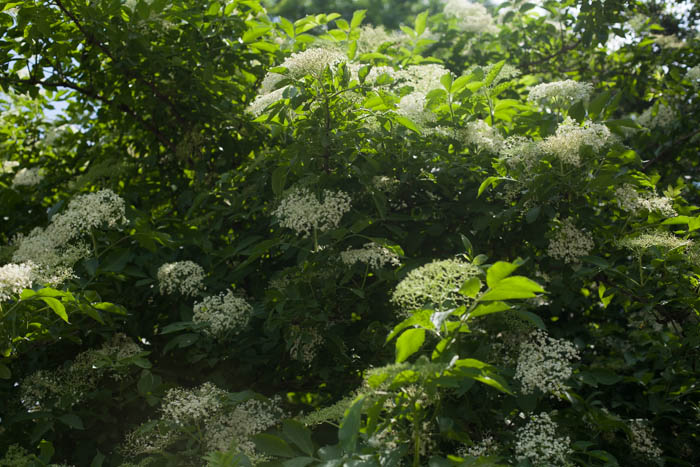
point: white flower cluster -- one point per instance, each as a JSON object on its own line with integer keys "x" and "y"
{"x": 473, "y": 17}
{"x": 435, "y": 282}
{"x": 309, "y": 62}
{"x": 412, "y": 106}
{"x": 8, "y": 166}
{"x": 241, "y": 424}
{"x": 663, "y": 118}
{"x": 642, "y": 439}
{"x": 192, "y": 406}
{"x": 151, "y": 436}
{"x": 538, "y": 442}
{"x": 372, "y": 37}
{"x": 373, "y": 254}
{"x": 305, "y": 345}
{"x": 14, "y": 278}
{"x": 569, "y": 243}
{"x": 519, "y": 151}
{"x": 302, "y": 212}
{"x": 693, "y": 75}
{"x": 54, "y": 250}
{"x": 570, "y": 137}
{"x": 544, "y": 363}
{"x": 184, "y": 277}
{"x": 631, "y": 201}
{"x": 262, "y": 101}
{"x": 422, "y": 78}
{"x": 224, "y": 314}
{"x": 482, "y": 135}
{"x": 27, "y": 177}
{"x": 560, "y": 93}
{"x": 645, "y": 241}
{"x": 384, "y": 183}
{"x": 485, "y": 447}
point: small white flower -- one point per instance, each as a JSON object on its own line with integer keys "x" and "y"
{"x": 560, "y": 93}
{"x": 8, "y": 166}
{"x": 693, "y": 75}
{"x": 482, "y": 135}
{"x": 192, "y": 406}
{"x": 184, "y": 277}
{"x": 473, "y": 17}
{"x": 544, "y": 363}
{"x": 642, "y": 440}
{"x": 223, "y": 314}
{"x": 537, "y": 441}
{"x": 372, "y": 254}
{"x": 631, "y": 201}
{"x": 27, "y": 177}
{"x": 570, "y": 137}
{"x": 14, "y": 278}
{"x": 302, "y": 212}
{"x": 569, "y": 243}
{"x": 662, "y": 118}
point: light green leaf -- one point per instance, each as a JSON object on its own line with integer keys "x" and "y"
{"x": 273, "y": 445}
{"x": 418, "y": 318}
{"x": 357, "y": 18}
{"x": 298, "y": 434}
{"x": 407, "y": 123}
{"x": 446, "y": 81}
{"x": 488, "y": 308}
{"x": 471, "y": 287}
{"x": 421, "y": 21}
{"x": 56, "y": 306}
{"x": 513, "y": 287}
{"x": 499, "y": 270}
{"x": 350, "y": 426}
{"x": 409, "y": 343}
{"x": 490, "y": 181}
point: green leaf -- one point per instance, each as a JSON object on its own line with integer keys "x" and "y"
{"x": 46, "y": 451}
{"x": 533, "y": 318}
{"x": 407, "y": 123}
{"x": 513, "y": 287}
{"x": 498, "y": 271}
{"x": 421, "y": 21}
{"x": 111, "y": 308}
{"x": 5, "y": 372}
{"x": 72, "y": 420}
{"x": 446, "y": 81}
{"x": 532, "y": 214}
{"x": 273, "y": 445}
{"x": 468, "y": 248}
{"x": 597, "y": 104}
{"x": 418, "y": 318}
{"x": 298, "y": 434}
{"x": 493, "y": 73}
{"x": 98, "y": 460}
{"x": 350, "y": 426}
{"x": 56, "y": 306}
{"x": 470, "y": 287}
{"x": 357, "y": 18}
{"x": 409, "y": 343}
{"x": 489, "y": 308}
{"x": 298, "y": 462}
{"x": 481, "y": 372}
{"x": 279, "y": 175}
{"x": 490, "y": 181}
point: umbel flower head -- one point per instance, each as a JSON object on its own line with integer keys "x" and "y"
{"x": 569, "y": 243}
{"x": 185, "y": 406}
{"x": 560, "y": 93}
{"x": 223, "y": 314}
{"x": 570, "y": 137}
{"x": 437, "y": 282}
{"x": 372, "y": 254}
{"x": 537, "y": 441}
{"x": 302, "y": 212}
{"x": 184, "y": 277}
{"x": 473, "y": 17}
{"x": 633, "y": 202}
{"x": 27, "y": 177}
{"x": 14, "y": 278}
{"x": 309, "y": 62}
{"x": 544, "y": 363}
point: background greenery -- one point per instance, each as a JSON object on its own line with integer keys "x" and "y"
{"x": 155, "y": 100}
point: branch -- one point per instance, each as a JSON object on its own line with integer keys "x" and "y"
{"x": 93, "y": 40}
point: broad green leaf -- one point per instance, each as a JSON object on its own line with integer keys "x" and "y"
{"x": 273, "y": 445}
{"x": 72, "y": 420}
{"x": 499, "y": 270}
{"x": 493, "y": 73}
{"x": 418, "y": 318}
{"x": 350, "y": 426}
{"x": 5, "y": 372}
{"x": 470, "y": 287}
{"x": 407, "y": 123}
{"x": 298, "y": 434}
{"x": 298, "y": 462}
{"x": 357, "y": 18}
{"x": 342, "y": 25}
{"x": 468, "y": 248}
{"x": 597, "y": 104}
{"x": 56, "y": 306}
{"x": 533, "y": 318}
{"x": 511, "y": 288}
{"x": 409, "y": 343}
{"x": 279, "y": 175}
{"x": 490, "y": 181}
{"x": 532, "y": 214}
{"x": 446, "y": 81}
{"x": 489, "y": 308}
{"x": 481, "y": 372}
{"x": 421, "y": 21}
{"x": 46, "y": 451}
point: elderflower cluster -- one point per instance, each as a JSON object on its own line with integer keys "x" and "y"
{"x": 372, "y": 37}
{"x": 302, "y": 212}
{"x": 372, "y": 254}
{"x": 55, "y": 249}
{"x": 184, "y": 277}
{"x": 519, "y": 151}
{"x": 642, "y": 440}
{"x": 412, "y": 106}
{"x": 560, "y": 93}
{"x": 14, "y": 278}
{"x": 223, "y": 314}
{"x": 569, "y": 243}
{"x": 570, "y": 137}
{"x": 544, "y": 363}
{"x": 263, "y": 101}
{"x": 631, "y": 201}
{"x": 473, "y": 17}
{"x": 309, "y": 62}
{"x": 537, "y": 442}
{"x": 305, "y": 344}
{"x": 435, "y": 282}
{"x": 151, "y": 436}
{"x": 192, "y": 406}
{"x": 693, "y": 75}
{"x": 664, "y": 240}
{"x": 239, "y": 425}
{"x": 482, "y": 135}
{"x": 663, "y": 117}
{"x": 27, "y": 177}
{"x": 487, "y": 446}
{"x": 8, "y": 166}
{"x": 384, "y": 183}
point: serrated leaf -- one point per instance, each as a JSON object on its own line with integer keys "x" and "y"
{"x": 498, "y": 271}
{"x": 273, "y": 445}
{"x": 420, "y": 318}
{"x": 298, "y": 434}
{"x": 512, "y": 288}
{"x": 409, "y": 343}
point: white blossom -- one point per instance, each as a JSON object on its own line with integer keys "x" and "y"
{"x": 184, "y": 277}
{"x": 482, "y": 135}
{"x": 435, "y": 282}
{"x": 631, "y": 201}
{"x": 569, "y": 243}
{"x": 662, "y": 118}
{"x": 8, "y": 166}
{"x": 544, "y": 363}
{"x": 14, "y": 278}
{"x": 693, "y": 75}
{"x": 560, "y": 93}
{"x": 642, "y": 440}
{"x": 192, "y": 406}
{"x": 519, "y": 151}
{"x": 664, "y": 240}
{"x": 306, "y": 343}
{"x": 570, "y": 137}
{"x": 472, "y": 17}
{"x": 372, "y": 254}
{"x": 412, "y": 106}
{"x": 223, "y": 314}
{"x": 27, "y": 177}
{"x": 309, "y": 62}
{"x": 538, "y": 442}
{"x": 302, "y": 212}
